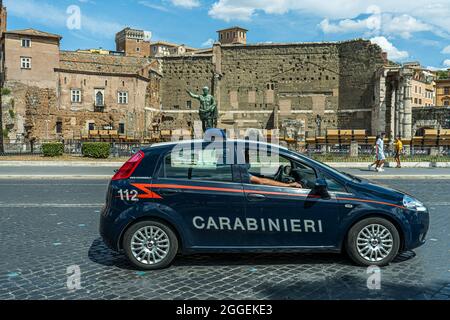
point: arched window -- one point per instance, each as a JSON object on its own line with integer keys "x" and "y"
{"x": 99, "y": 99}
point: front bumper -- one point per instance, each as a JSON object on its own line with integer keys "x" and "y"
{"x": 419, "y": 224}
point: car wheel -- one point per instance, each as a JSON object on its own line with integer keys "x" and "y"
{"x": 373, "y": 241}
{"x": 150, "y": 245}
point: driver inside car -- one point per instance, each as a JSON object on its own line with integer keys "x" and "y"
{"x": 265, "y": 181}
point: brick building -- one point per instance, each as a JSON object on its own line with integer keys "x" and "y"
{"x": 133, "y": 42}
{"x": 443, "y": 91}
{"x": 57, "y": 95}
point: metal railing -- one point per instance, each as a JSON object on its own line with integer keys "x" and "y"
{"x": 72, "y": 148}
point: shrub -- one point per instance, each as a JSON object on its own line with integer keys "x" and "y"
{"x": 5, "y": 91}
{"x": 53, "y": 149}
{"x": 98, "y": 150}
{"x": 11, "y": 113}
{"x": 5, "y": 133}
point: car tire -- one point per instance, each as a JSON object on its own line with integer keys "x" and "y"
{"x": 150, "y": 245}
{"x": 373, "y": 242}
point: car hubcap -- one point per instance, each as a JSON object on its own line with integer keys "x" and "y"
{"x": 150, "y": 245}
{"x": 374, "y": 242}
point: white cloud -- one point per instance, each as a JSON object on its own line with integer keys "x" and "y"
{"x": 51, "y": 16}
{"x": 208, "y": 43}
{"x": 431, "y": 68}
{"x": 401, "y": 17}
{"x": 446, "y": 63}
{"x": 393, "y": 53}
{"x": 151, "y": 5}
{"x": 446, "y": 50}
{"x": 189, "y": 4}
{"x": 378, "y": 24}
{"x": 343, "y": 26}
{"x": 404, "y": 25}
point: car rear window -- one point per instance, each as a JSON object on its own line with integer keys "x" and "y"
{"x": 194, "y": 170}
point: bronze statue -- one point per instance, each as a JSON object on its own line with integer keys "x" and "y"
{"x": 208, "y": 109}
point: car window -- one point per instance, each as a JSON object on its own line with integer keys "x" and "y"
{"x": 265, "y": 164}
{"x": 333, "y": 185}
{"x": 304, "y": 173}
{"x": 202, "y": 165}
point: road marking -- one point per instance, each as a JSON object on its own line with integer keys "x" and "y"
{"x": 439, "y": 204}
{"x": 51, "y": 205}
{"x": 406, "y": 177}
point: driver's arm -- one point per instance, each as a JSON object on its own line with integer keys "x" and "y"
{"x": 270, "y": 182}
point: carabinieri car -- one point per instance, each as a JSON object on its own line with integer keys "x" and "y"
{"x": 216, "y": 195}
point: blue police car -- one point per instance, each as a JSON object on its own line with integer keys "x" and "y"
{"x": 219, "y": 195}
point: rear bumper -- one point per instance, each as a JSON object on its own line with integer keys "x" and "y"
{"x": 109, "y": 231}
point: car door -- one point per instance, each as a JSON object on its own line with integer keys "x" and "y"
{"x": 286, "y": 216}
{"x": 206, "y": 196}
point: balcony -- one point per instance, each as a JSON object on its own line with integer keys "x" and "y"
{"x": 99, "y": 108}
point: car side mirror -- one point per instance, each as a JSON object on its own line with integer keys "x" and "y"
{"x": 321, "y": 188}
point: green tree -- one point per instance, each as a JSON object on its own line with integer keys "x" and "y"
{"x": 442, "y": 74}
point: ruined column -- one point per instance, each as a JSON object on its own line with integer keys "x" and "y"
{"x": 217, "y": 64}
{"x": 397, "y": 108}
{"x": 407, "y": 112}
{"x": 379, "y": 111}
{"x": 392, "y": 110}
{"x": 401, "y": 104}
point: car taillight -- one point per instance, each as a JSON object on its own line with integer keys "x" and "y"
{"x": 128, "y": 168}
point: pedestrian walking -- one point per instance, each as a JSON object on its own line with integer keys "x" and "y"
{"x": 398, "y": 145}
{"x": 381, "y": 158}
{"x": 375, "y": 149}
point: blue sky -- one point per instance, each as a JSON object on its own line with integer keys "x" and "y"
{"x": 408, "y": 30}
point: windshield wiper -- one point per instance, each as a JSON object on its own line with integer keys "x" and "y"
{"x": 352, "y": 176}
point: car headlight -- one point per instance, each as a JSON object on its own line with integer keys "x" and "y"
{"x": 413, "y": 204}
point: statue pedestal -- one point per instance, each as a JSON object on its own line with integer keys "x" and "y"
{"x": 354, "y": 150}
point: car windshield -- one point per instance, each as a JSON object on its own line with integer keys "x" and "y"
{"x": 343, "y": 175}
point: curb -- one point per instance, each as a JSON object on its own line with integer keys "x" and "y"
{"x": 348, "y": 165}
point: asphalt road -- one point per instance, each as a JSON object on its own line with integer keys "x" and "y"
{"x": 47, "y": 226}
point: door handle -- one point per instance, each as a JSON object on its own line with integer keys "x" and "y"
{"x": 256, "y": 197}
{"x": 169, "y": 192}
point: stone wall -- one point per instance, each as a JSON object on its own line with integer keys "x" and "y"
{"x": 181, "y": 73}
{"x": 267, "y": 85}
{"x": 430, "y": 118}
{"x": 358, "y": 63}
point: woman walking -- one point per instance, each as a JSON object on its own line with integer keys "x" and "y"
{"x": 380, "y": 153}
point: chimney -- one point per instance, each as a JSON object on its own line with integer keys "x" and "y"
{"x": 384, "y": 55}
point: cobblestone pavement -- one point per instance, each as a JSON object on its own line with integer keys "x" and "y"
{"x": 48, "y": 226}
